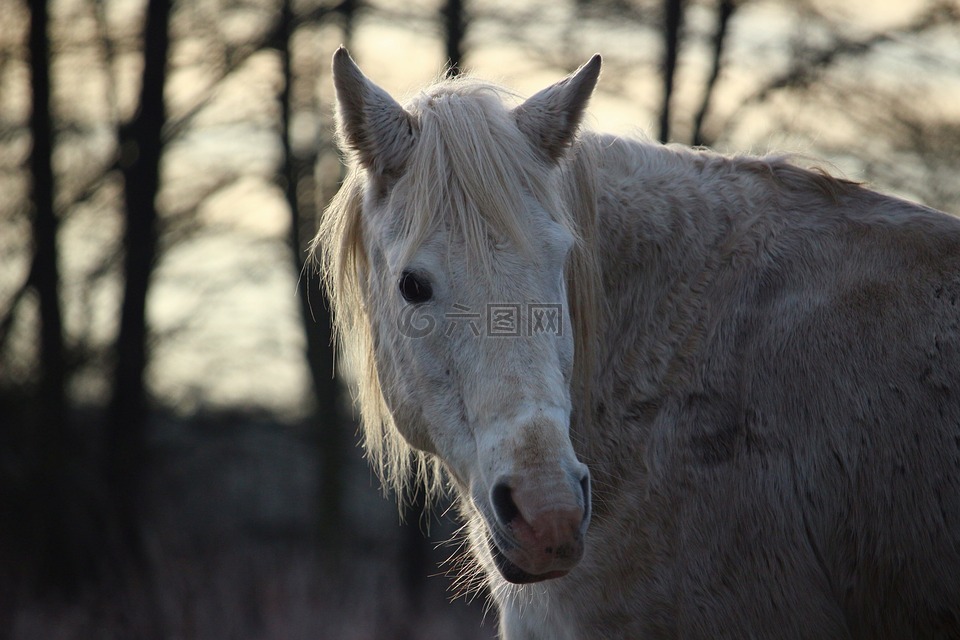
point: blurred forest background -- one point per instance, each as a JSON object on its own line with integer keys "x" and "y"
{"x": 176, "y": 458}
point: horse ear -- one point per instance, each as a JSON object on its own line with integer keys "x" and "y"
{"x": 550, "y": 118}
{"x": 371, "y": 122}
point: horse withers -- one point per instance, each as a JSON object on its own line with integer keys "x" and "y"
{"x": 677, "y": 394}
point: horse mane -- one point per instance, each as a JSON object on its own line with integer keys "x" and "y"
{"x": 467, "y": 141}
{"x": 786, "y": 175}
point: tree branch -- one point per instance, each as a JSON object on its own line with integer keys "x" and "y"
{"x": 806, "y": 71}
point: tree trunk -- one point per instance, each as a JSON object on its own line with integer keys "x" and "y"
{"x": 331, "y": 423}
{"x": 455, "y": 27}
{"x": 724, "y": 13}
{"x": 48, "y": 437}
{"x": 673, "y": 18}
{"x": 141, "y": 145}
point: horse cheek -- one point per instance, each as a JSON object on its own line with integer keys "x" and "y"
{"x": 395, "y": 372}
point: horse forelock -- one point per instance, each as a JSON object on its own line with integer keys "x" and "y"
{"x": 473, "y": 171}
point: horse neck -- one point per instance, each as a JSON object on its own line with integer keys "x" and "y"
{"x": 663, "y": 222}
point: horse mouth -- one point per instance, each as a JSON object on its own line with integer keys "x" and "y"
{"x": 516, "y": 575}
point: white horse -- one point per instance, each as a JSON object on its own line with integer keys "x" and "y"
{"x": 679, "y": 395}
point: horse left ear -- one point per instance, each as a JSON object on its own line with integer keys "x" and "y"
{"x": 371, "y": 122}
{"x": 550, "y": 118}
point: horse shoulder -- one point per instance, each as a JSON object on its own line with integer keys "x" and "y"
{"x": 855, "y": 387}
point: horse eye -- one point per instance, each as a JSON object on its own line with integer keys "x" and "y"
{"x": 414, "y": 288}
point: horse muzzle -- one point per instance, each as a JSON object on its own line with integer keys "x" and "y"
{"x": 538, "y": 527}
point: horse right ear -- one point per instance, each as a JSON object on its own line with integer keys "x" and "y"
{"x": 371, "y": 122}
{"x": 551, "y": 117}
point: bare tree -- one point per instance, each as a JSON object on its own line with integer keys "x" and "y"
{"x": 49, "y": 435}
{"x": 672, "y": 24}
{"x": 725, "y": 11}
{"x": 329, "y": 418}
{"x": 455, "y": 29}
{"x": 141, "y": 146}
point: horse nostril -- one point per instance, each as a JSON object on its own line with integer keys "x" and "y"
{"x": 503, "y": 505}
{"x": 585, "y": 488}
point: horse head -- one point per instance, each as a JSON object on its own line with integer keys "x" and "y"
{"x": 464, "y": 243}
